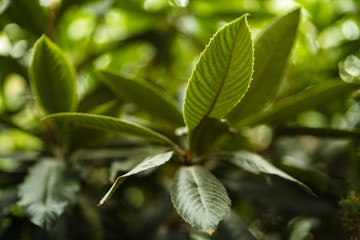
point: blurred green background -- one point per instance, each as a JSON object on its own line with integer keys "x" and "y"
{"x": 160, "y": 41}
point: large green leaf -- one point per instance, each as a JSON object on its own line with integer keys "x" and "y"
{"x": 199, "y": 197}
{"x": 46, "y": 191}
{"x": 256, "y": 164}
{"x": 107, "y": 123}
{"x": 221, "y": 76}
{"x": 52, "y": 77}
{"x": 290, "y": 107}
{"x": 147, "y": 163}
{"x": 144, "y": 95}
{"x": 272, "y": 49}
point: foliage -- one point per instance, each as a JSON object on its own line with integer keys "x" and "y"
{"x": 96, "y": 91}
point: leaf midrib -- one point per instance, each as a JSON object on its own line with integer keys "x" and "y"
{"x": 197, "y": 182}
{"x": 201, "y": 124}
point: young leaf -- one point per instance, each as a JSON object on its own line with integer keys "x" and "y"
{"x": 144, "y": 95}
{"x": 290, "y": 107}
{"x": 221, "y": 76}
{"x": 147, "y": 163}
{"x": 46, "y": 192}
{"x": 200, "y": 198}
{"x": 52, "y": 77}
{"x": 107, "y": 123}
{"x": 256, "y": 164}
{"x": 272, "y": 49}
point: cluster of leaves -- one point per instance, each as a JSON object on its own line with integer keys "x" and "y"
{"x": 234, "y": 87}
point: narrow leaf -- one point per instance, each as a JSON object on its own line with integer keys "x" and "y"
{"x": 199, "y": 197}
{"x": 221, "y": 77}
{"x": 272, "y": 49}
{"x": 144, "y": 95}
{"x": 52, "y": 77}
{"x": 257, "y": 164}
{"x": 147, "y": 163}
{"x": 107, "y": 123}
{"x": 46, "y": 192}
{"x": 290, "y": 107}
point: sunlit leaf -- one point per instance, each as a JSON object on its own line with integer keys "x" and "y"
{"x": 199, "y": 197}
{"x": 107, "y": 123}
{"x": 53, "y": 78}
{"x": 308, "y": 99}
{"x": 46, "y": 192}
{"x": 147, "y": 163}
{"x": 144, "y": 95}
{"x": 256, "y": 164}
{"x": 272, "y": 49}
{"x": 221, "y": 76}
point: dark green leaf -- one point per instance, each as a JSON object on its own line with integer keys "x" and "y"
{"x": 290, "y": 107}
{"x": 107, "y": 123}
{"x": 147, "y": 163}
{"x": 200, "y": 198}
{"x": 53, "y": 78}
{"x": 221, "y": 76}
{"x": 272, "y": 49}
{"x": 232, "y": 228}
{"x": 46, "y": 192}
{"x": 145, "y": 96}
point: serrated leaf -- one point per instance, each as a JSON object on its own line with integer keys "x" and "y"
{"x": 221, "y": 76}
{"x": 46, "y": 191}
{"x": 107, "y": 123}
{"x": 257, "y": 164}
{"x": 144, "y": 95}
{"x": 52, "y": 77}
{"x": 272, "y": 49}
{"x": 199, "y": 198}
{"x": 291, "y": 106}
{"x": 147, "y": 163}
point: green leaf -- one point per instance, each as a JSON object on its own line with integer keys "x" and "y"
{"x": 46, "y": 191}
{"x": 290, "y": 107}
{"x": 144, "y": 95}
{"x": 257, "y": 164}
{"x": 112, "y": 124}
{"x": 221, "y": 77}
{"x": 147, "y": 163}
{"x": 200, "y": 198}
{"x": 233, "y": 228}
{"x": 272, "y": 49}
{"x": 52, "y": 77}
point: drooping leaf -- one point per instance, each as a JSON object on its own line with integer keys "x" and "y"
{"x": 147, "y": 163}
{"x": 52, "y": 77}
{"x": 107, "y": 123}
{"x": 290, "y": 107}
{"x": 46, "y": 191}
{"x": 144, "y": 95}
{"x": 85, "y": 137}
{"x": 199, "y": 197}
{"x": 272, "y": 49}
{"x": 221, "y": 76}
{"x": 257, "y": 164}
